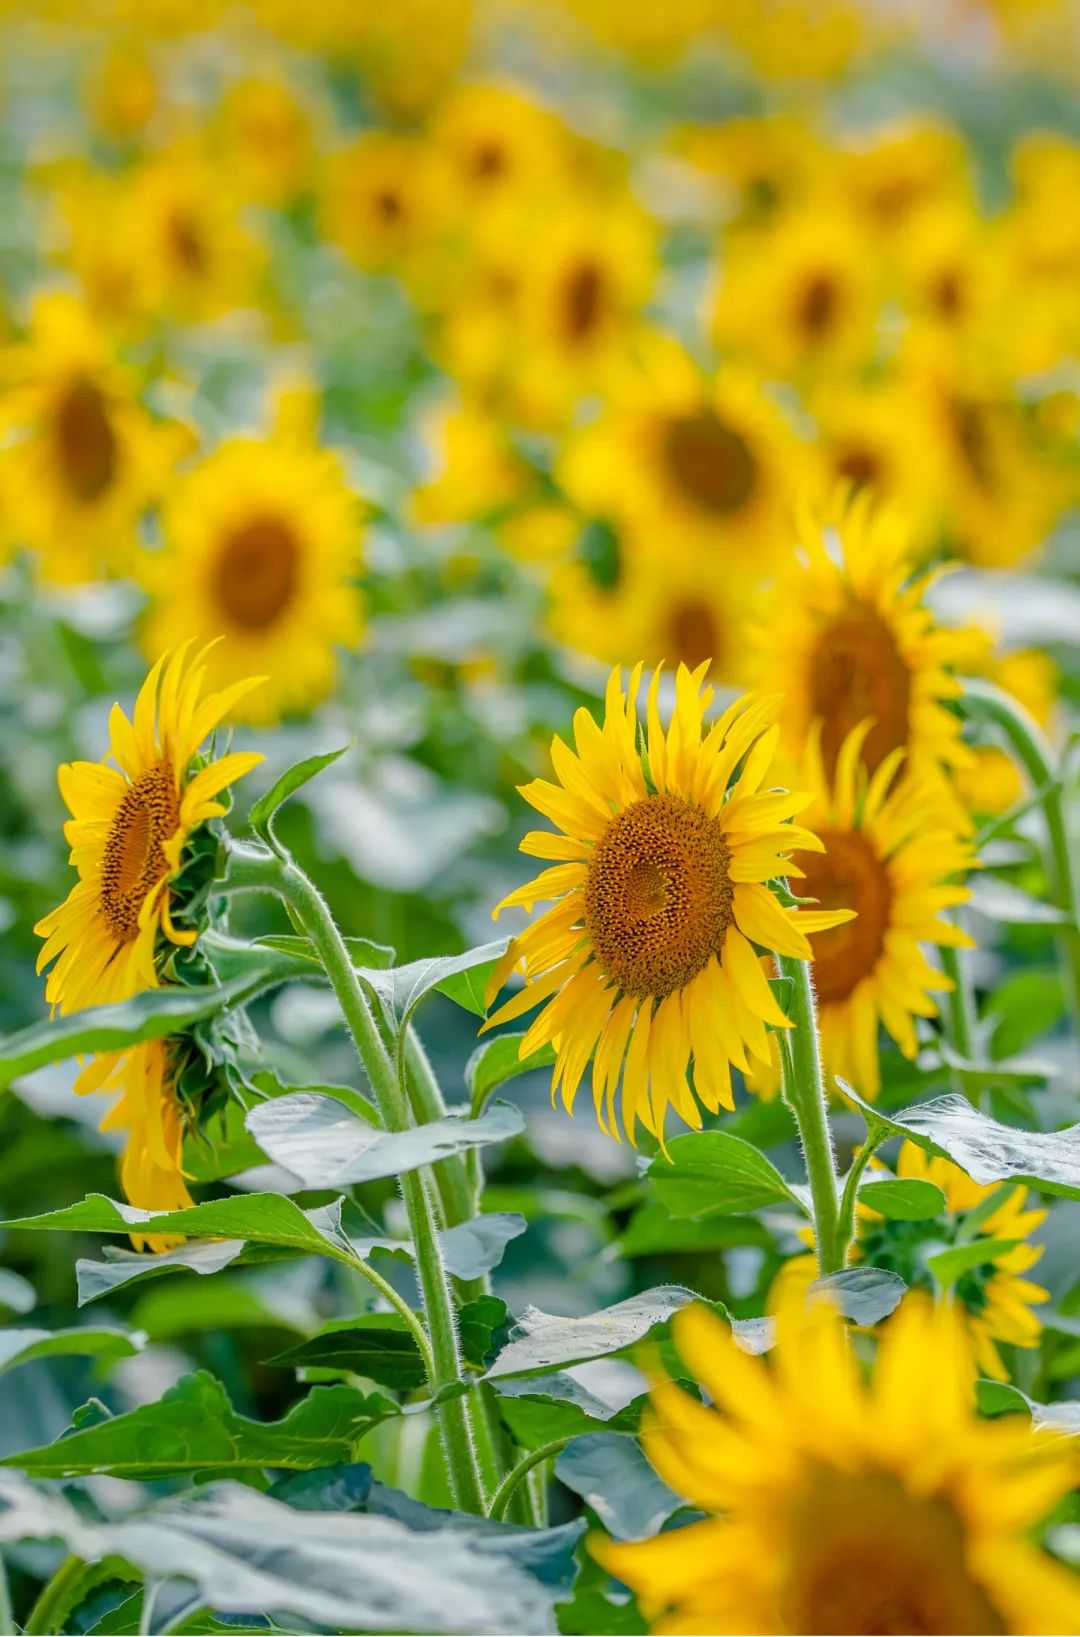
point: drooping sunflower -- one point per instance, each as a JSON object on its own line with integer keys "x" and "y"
{"x": 262, "y": 543}
{"x": 893, "y": 854}
{"x": 846, "y": 635}
{"x": 90, "y": 458}
{"x": 130, "y": 824}
{"x": 845, "y": 1507}
{"x": 148, "y": 1110}
{"x": 647, "y": 961}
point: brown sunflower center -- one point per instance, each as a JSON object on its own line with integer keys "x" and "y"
{"x": 257, "y": 573}
{"x": 582, "y": 301}
{"x": 488, "y": 160}
{"x": 948, "y": 293}
{"x": 971, "y": 428}
{"x": 133, "y": 860}
{"x": 856, "y": 671}
{"x": 86, "y": 446}
{"x": 658, "y": 896}
{"x": 847, "y": 875}
{"x": 870, "y": 1557}
{"x": 389, "y": 207}
{"x": 710, "y": 462}
{"x": 818, "y": 306}
{"x": 860, "y": 465}
{"x": 694, "y": 633}
{"x": 187, "y": 243}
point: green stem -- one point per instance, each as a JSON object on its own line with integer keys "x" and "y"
{"x": 54, "y": 1600}
{"x": 7, "y": 1622}
{"x": 506, "y": 1489}
{"x": 804, "y": 1092}
{"x": 849, "y": 1198}
{"x": 960, "y": 1009}
{"x": 1035, "y": 754}
{"x": 251, "y": 868}
{"x": 412, "y": 1323}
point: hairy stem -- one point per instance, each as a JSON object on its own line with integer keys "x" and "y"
{"x": 502, "y": 1495}
{"x": 54, "y": 1600}
{"x": 804, "y": 1092}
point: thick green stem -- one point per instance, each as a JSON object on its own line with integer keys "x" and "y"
{"x": 804, "y": 1092}
{"x": 1035, "y": 754}
{"x": 256, "y": 869}
{"x": 502, "y": 1495}
{"x": 54, "y": 1600}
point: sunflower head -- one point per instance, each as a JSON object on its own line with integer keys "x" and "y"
{"x": 839, "y": 1506}
{"x": 649, "y": 959}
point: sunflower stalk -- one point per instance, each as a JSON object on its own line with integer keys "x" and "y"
{"x": 256, "y": 869}
{"x": 804, "y": 1093}
{"x": 1032, "y": 749}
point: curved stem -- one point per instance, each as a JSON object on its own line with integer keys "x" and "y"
{"x": 412, "y": 1323}
{"x": 804, "y": 1092}
{"x": 506, "y": 1489}
{"x": 849, "y": 1198}
{"x": 54, "y": 1600}
{"x": 1035, "y": 754}
{"x": 251, "y": 868}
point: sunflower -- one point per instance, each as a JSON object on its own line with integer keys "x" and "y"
{"x": 379, "y": 201}
{"x": 129, "y": 826}
{"x": 88, "y": 458}
{"x": 262, "y": 543}
{"x": 839, "y": 1506}
{"x": 148, "y": 1110}
{"x": 647, "y": 959}
{"x": 894, "y": 856}
{"x": 994, "y": 1298}
{"x": 870, "y": 438}
{"x": 497, "y": 142}
{"x": 846, "y": 635}
{"x": 893, "y": 174}
{"x": 266, "y": 140}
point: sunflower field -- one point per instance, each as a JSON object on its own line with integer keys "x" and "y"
{"x": 643, "y": 437}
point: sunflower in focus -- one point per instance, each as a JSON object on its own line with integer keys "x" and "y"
{"x": 846, "y": 635}
{"x": 262, "y": 547}
{"x": 647, "y": 960}
{"x": 841, "y": 1506}
{"x": 91, "y": 459}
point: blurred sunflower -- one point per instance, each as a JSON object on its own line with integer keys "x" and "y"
{"x": 870, "y": 438}
{"x": 91, "y": 459}
{"x": 266, "y": 140}
{"x": 498, "y": 143}
{"x": 846, "y": 635}
{"x": 845, "y": 1507}
{"x": 262, "y": 546}
{"x": 889, "y": 176}
{"x": 647, "y": 959}
{"x": 129, "y": 827}
{"x": 380, "y": 201}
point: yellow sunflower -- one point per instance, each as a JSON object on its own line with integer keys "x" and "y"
{"x": 647, "y": 960}
{"x": 266, "y": 140}
{"x": 129, "y": 826}
{"x": 846, "y": 635}
{"x": 870, "y": 438}
{"x": 893, "y": 855}
{"x": 994, "y": 1299}
{"x": 262, "y": 546}
{"x": 380, "y": 201}
{"x": 147, "y": 1108}
{"x": 86, "y": 459}
{"x": 842, "y": 1507}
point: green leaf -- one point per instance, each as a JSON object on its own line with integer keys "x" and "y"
{"x": 257, "y": 1219}
{"x": 124, "y": 1267}
{"x": 985, "y": 1148}
{"x": 194, "y": 1428}
{"x": 150, "y": 1016}
{"x": 484, "y": 1326}
{"x": 713, "y": 1173}
{"x": 977, "y": 1077}
{"x": 612, "y": 1475}
{"x": 948, "y": 1265}
{"x": 262, "y": 813}
{"x": 1002, "y": 1398}
{"x": 652, "y": 1231}
{"x": 461, "y": 977}
{"x": 377, "y": 1346}
{"x": 545, "y": 1341}
{"x": 496, "y": 1061}
{"x": 902, "y": 1199}
{"x": 864, "y": 1295}
{"x": 473, "y": 1248}
{"x": 540, "y": 1409}
{"x": 326, "y": 1146}
{"x": 362, "y": 951}
{"x": 22, "y": 1346}
{"x": 1001, "y": 901}
{"x": 16, "y": 1293}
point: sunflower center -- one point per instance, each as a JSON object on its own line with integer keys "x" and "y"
{"x": 857, "y": 671}
{"x": 582, "y": 301}
{"x": 488, "y": 161}
{"x": 818, "y": 306}
{"x": 133, "y": 860}
{"x": 658, "y": 896}
{"x": 257, "y": 573}
{"x": 970, "y": 423}
{"x": 859, "y": 464}
{"x": 694, "y": 633}
{"x": 85, "y": 441}
{"x": 871, "y": 1557}
{"x": 187, "y": 243}
{"x": 710, "y": 462}
{"x": 389, "y": 207}
{"x": 847, "y": 875}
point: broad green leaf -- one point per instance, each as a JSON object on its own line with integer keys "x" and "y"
{"x": 590, "y": 1614}
{"x": 653, "y": 1231}
{"x": 612, "y": 1475}
{"x": 95, "y": 1279}
{"x": 377, "y": 1346}
{"x": 540, "y": 1409}
{"x": 985, "y": 1148}
{"x": 902, "y": 1199}
{"x": 194, "y": 1428}
{"x": 247, "y": 1553}
{"x": 496, "y": 1061}
{"x": 484, "y": 1326}
{"x": 713, "y": 1173}
{"x": 474, "y": 1248}
{"x": 362, "y": 951}
{"x": 545, "y": 1341}
{"x": 23, "y": 1346}
{"x": 864, "y": 1295}
{"x": 461, "y": 977}
{"x": 262, "y": 813}
{"x": 326, "y": 1146}
{"x": 1003, "y": 1398}
{"x": 948, "y": 1265}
